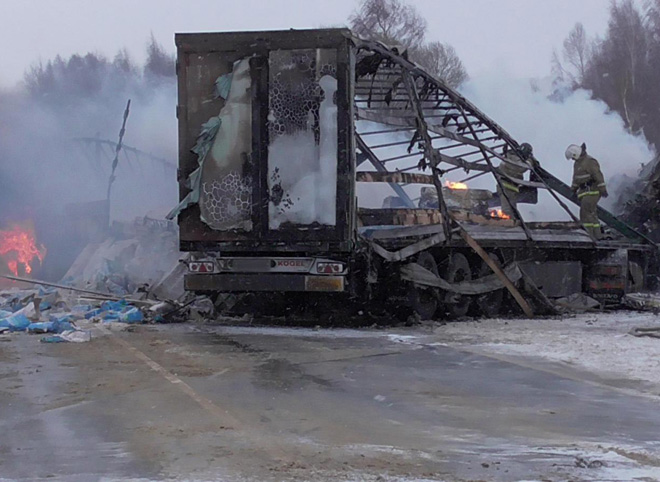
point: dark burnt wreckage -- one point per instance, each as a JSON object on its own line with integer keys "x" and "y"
{"x": 314, "y": 161}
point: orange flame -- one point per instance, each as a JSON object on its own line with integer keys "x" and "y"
{"x": 20, "y": 244}
{"x": 499, "y": 214}
{"x": 455, "y": 185}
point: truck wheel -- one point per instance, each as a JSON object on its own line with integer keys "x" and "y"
{"x": 489, "y": 304}
{"x": 424, "y": 299}
{"x": 457, "y": 270}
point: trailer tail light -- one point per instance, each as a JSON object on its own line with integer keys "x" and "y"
{"x": 329, "y": 268}
{"x": 201, "y": 267}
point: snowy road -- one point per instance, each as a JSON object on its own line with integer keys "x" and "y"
{"x": 230, "y": 403}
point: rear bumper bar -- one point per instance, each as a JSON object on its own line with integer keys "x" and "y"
{"x": 263, "y": 282}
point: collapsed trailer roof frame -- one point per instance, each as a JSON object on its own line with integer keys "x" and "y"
{"x": 392, "y": 91}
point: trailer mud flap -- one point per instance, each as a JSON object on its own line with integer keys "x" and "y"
{"x": 263, "y": 283}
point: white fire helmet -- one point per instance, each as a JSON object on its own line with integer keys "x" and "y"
{"x": 573, "y": 152}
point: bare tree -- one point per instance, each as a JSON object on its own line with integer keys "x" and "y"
{"x": 576, "y": 53}
{"x": 624, "y": 56}
{"x": 389, "y": 21}
{"x": 556, "y": 67}
{"x": 442, "y": 61}
{"x": 394, "y": 22}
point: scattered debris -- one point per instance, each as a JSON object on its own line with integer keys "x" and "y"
{"x": 577, "y": 303}
{"x": 59, "y": 313}
{"x": 649, "y": 332}
{"x": 642, "y": 301}
{"x": 585, "y": 463}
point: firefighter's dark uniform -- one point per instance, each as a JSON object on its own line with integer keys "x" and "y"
{"x": 589, "y": 185}
{"x": 516, "y": 170}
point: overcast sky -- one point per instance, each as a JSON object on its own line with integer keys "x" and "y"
{"x": 515, "y": 37}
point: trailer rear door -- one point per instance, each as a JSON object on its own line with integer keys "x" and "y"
{"x": 266, "y": 150}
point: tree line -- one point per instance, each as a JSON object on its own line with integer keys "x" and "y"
{"x": 92, "y": 75}
{"x": 622, "y": 68}
{"x": 392, "y": 22}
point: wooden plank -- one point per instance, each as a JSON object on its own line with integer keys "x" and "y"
{"x": 483, "y": 220}
{"x": 398, "y": 177}
{"x": 398, "y": 217}
{"x": 500, "y": 274}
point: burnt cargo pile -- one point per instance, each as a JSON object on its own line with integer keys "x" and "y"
{"x": 316, "y": 163}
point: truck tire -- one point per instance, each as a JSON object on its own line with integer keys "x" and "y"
{"x": 457, "y": 270}
{"x": 488, "y": 304}
{"x": 424, "y": 299}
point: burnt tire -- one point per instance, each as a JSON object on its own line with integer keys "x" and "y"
{"x": 424, "y": 299}
{"x": 488, "y": 304}
{"x": 457, "y": 271}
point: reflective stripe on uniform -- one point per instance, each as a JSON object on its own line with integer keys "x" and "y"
{"x": 602, "y": 184}
{"x": 510, "y": 187}
{"x": 581, "y": 176}
{"x": 588, "y": 193}
{"x": 591, "y": 225}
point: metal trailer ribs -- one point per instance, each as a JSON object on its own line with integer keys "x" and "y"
{"x": 437, "y": 128}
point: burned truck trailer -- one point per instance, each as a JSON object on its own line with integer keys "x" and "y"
{"x": 315, "y": 161}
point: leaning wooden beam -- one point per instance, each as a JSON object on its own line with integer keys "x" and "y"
{"x": 498, "y": 271}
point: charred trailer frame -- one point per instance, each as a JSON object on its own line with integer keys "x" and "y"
{"x": 436, "y": 259}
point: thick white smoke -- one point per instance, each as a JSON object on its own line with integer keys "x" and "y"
{"x": 550, "y": 118}
{"x": 44, "y": 169}
{"x": 526, "y": 111}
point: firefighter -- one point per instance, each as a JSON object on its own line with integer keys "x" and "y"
{"x": 589, "y": 186}
{"x": 515, "y": 169}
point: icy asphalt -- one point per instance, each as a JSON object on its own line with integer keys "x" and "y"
{"x": 199, "y": 402}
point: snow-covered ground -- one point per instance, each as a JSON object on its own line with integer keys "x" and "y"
{"x": 598, "y": 343}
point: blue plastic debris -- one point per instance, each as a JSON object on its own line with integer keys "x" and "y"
{"x": 63, "y": 326}
{"x": 81, "y": 308}
{"x": 111, "y": 316}
{"x": 45, "y": 305}
{"x": 76, "y": 336}
{"x": 93, "y": 313}
{"x": 5, "y": 314}
{"x": 42, "y": 327}
{"x": 53, "y": 339}
{"x": 114, "y": 305}
{"x": 18, "y": 322}
{"x": 60, "y": 318}
{"x": 131, "y": 315}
